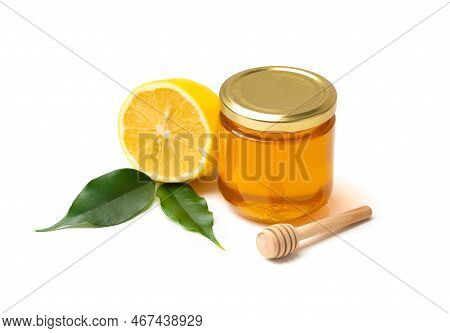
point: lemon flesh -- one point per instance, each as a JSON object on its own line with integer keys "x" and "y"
{"x": 167, "y": 129}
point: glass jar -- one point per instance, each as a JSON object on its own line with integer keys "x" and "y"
{"x": 276, "y": 140}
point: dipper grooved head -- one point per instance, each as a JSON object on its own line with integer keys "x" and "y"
{"x": 276, "y": 241}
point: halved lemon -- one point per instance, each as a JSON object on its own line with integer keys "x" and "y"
{"x": 167, "y": 129}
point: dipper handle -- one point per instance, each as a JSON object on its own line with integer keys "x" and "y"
{"x": 334, "y": 223}
{"x": 280, "y": 240}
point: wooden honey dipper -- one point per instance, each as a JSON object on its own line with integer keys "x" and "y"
{"x": 280, "y": 240}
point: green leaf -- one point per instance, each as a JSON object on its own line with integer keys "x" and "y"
{"x": 108, "y": 200}
{"x": 180, "y": 202}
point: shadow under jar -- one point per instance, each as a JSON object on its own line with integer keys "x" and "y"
{"x": 276, "y": 140}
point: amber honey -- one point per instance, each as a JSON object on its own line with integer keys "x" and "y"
{"x": 276, "y": 141}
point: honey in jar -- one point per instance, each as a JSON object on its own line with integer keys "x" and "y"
{"x": 276, "y": 139}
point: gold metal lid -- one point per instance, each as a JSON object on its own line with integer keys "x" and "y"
{"x": 278, "y": 99}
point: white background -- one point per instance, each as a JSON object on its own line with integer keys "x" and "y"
{"x": 58, "y": 130}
